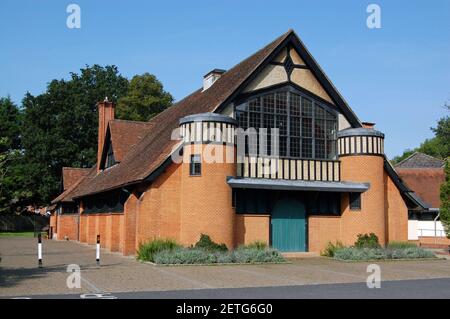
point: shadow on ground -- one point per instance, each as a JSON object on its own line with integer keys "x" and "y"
{"x": 10, "y": 277}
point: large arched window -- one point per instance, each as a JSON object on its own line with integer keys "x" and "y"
{"x": 307, "y": 128}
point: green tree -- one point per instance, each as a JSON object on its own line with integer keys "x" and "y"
{"x": 445, "y": 200}
{"x": 146, "y": 97}
{"x": 10, "y": 121}
{"x": 60, "y": 126}
{"x": 12, "y": 194}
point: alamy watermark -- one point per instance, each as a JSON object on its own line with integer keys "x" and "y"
{"x": 73, "y": 281}
{"x": 374, "y": 19}
{"x": 374, "y": 279}
{"x": 73, "y": 20}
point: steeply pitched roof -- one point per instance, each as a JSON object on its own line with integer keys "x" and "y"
{"x": 420, "y": 160}
{"x": 425, "y": 182}
{"x": 126, "y": 134}
{"x": 154, "y": 149}
{"x": 71, "y": 175}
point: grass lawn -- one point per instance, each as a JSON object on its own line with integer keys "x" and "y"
{"x": 29, "y": 234}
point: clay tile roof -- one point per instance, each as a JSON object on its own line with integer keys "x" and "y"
{"x": 67, "y": 195}
{"x": 71, "y": 175}
{"x": 425, "y": 182}
{"x": 126, "y": 134}
{"x": 156, "y": 146}
{"x": 420, "y": 160}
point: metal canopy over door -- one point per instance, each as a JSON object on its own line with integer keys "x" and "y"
{"x": 289, "y": 226}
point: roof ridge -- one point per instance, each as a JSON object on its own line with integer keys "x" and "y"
{"x": 130, "y": 121}
{"x": 416, "y": 153}
{"x": 407, "y": 158}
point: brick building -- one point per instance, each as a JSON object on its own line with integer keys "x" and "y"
{"x": 206, "y": 165}
{"x": 424, "y": 175}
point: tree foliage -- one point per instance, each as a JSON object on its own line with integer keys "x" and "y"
{"x": 145, "y": 98}
{"x": 12, "y": 193}
{"x": 10, "y": 124}
{"x": 59, "y": 128}
{"x": 445, "y": 200}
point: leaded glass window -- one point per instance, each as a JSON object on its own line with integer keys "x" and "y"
{"x": 307, "y": 129}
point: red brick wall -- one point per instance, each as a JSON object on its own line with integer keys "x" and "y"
{"x": 250, "y": 228}
{"x": 206, "y": 203}
{"x": 67, "y": 226}
{"x": 107, "y": 225}
{"x": 321, "y": 230}
{"x": 129, "y": 225}
{"x": 159, "y": 207}
{"x": 371, "y": 218}
{"x": 396, "y": 212}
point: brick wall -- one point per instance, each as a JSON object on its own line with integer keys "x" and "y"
{"x": 158, "y": 215}
{"x": 206, "y": 203}
{"x": 107, "y": 225}
{"x": 129, "y": 225}
{"x": 67, "y": 226}
{"x": 396, "y": 212}
{"x": 321, "y": 230}
{"x": 371, "y": 217}
{"x": 250, "y": 228}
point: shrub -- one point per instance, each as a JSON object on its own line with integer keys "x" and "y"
{"x": 367, "y": 241}
{"x": 147, "y": 251}
{"x": 260, "y": 245}
{"x": 205, "y": 242}
{"x": 185, "y": 256}
{"x": 401, "y": 244}
{"x": 252, "y": 255}
{"x": 352, "y": 253}
{"x": 203, "y": 256}
{"x": 331, "y": 248}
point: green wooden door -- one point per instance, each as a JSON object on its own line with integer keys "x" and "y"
{"x": 289, "y": 226}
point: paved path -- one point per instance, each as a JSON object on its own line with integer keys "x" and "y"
{"x": 19, "y": 275}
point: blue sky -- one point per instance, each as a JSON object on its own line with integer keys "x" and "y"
{"x": 397, "y": 76}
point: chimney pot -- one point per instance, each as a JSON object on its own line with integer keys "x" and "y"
{"x": 368, "y": 125}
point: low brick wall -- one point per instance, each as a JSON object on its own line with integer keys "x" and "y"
{"x": 434, "y": 242}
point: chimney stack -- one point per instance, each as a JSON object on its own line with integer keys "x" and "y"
{"x": 211, "y": 77}
{"x": 105, "y": 114}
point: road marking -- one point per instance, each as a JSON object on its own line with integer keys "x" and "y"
{"x": 91, "y": 285}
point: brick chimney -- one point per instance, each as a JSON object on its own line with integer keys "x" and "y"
{"x": 105, "y": 114}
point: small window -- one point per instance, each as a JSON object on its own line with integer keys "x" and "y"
{"x": 355, "y": 201}
{"x": 195, "y": 165}
{"x": 110, "y": 160}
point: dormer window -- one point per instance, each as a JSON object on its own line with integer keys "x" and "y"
{"x": 110, "y": 160}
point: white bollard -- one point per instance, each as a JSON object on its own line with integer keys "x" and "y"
{"x": 97, "y": 253}
{"x": 40, "y": 251}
